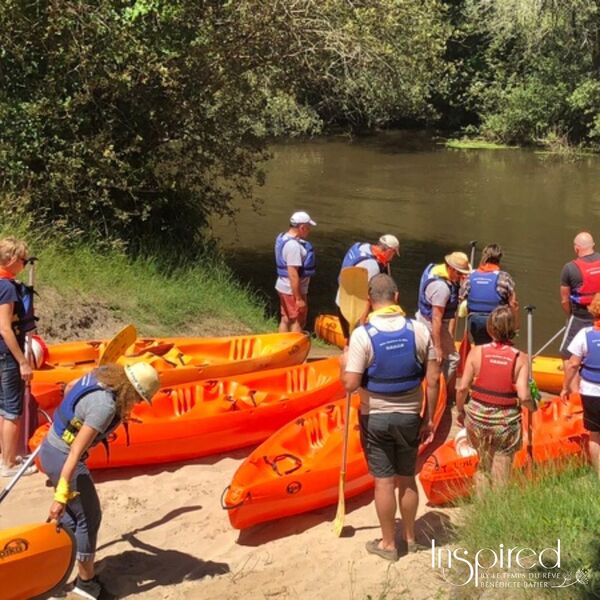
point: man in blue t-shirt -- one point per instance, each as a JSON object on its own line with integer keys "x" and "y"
{"x": 14, "y": 367}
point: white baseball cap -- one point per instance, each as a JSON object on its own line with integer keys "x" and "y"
{"x": 301, "y": 218}
{"x": 391, "y": 241}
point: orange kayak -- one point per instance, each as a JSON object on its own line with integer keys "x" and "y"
{"x": 557, "y": 432}
{"x": 298, "y": 468}
{"x": 328, "y": 328}
{"x": 181, "y": 360}
{"x": 47, "y": 395}
{"x": 547, "y": 370}
{"x": 35, "y": 560}
{"x": 211, "y": 416}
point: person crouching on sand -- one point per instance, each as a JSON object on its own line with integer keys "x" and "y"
{"x": 93, "y": 407}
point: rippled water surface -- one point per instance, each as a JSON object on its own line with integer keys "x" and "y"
{"x": 434, "y": 200}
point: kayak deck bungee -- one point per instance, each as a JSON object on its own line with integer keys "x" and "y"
{"x": 180, "y": 360}
{"x": 547, "y": 370}
{"x": 35, "y": 560}
{"x": 297, "y": 469}
{"x": 210, "y": 416}
{"x": 558, "y": 432}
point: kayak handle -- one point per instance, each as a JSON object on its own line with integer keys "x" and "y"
{"x": 227, "y": 507}
{"x": 280, "y": 457}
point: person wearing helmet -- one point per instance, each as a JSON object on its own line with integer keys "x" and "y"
{"x": 93, "y": 407}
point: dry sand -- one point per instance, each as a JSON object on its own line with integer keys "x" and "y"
{"x": 165, "y": 535}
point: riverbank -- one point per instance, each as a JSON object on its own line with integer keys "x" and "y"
{"x": 85, "y": 293}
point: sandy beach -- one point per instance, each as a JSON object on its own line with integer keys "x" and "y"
{"x": 165, "y": 535}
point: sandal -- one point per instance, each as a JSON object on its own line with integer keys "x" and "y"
{"x": 373, "y": 548}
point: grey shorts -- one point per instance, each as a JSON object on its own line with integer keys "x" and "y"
{"x": 390, "y": 442}
{"x": 574, "y": 325}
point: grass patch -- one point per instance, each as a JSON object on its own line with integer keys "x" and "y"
{"x": 160, "y": 300}
{"x": 555, "y": 504}
{"x": 466, "y": 144}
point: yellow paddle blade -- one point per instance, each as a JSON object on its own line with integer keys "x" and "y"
{"x": 354, "y": 293}
{"x": 338, "y": 523}
{"x": 117, "y": 345}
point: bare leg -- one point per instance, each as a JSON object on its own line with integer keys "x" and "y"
{"x": 482, "y": 475}
{"x": 408, "y": 499}
{"x": 295, "y": 326}
{"x": 85, "y": 569}
{"x": 594, "y": 447}
{"x": 284, "y": 325}
{"x": 501, "y": 468}
{"x": 385, "y": 505}
{"x": 10, "y": 435}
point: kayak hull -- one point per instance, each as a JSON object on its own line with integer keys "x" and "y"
{"x": 181, "y": 360}
{"x": 558, "y": 432}
{"x": 297, "y": 469}
{"x": 34, "y": 560}
{"x": 211, "y": 416}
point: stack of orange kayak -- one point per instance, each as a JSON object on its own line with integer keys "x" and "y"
{"x": 547, "y": 370}
{"x": 557, "y": 432}
{"x": 35, "y": 560}
{"x": 181, "y": 360}
{"x": 298, "y": 468}
{"x": 211, "y": 416}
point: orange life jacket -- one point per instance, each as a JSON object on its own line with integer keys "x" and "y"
{"x": 495, "y": 382}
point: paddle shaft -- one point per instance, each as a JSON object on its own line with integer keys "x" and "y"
{"x": 353, "y": 303}
{"x": 19, "y": 473}
{"x": 27, "y": 428}
{"x": 529, "y": 308}
{"x": 559, "y": 332}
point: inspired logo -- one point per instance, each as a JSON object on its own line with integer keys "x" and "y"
{"x": 15, "y": 546}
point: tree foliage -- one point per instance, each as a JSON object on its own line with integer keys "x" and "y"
{"x": 137, "y": 120}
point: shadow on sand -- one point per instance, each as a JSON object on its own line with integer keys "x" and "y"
{"x": 145, "y": 567}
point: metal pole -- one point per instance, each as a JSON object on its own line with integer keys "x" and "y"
{"x": 29, "y": 419}
{"x": 559, "y": 332}
{"x": 529, "y": 308}
{"x": 473, "y": 244}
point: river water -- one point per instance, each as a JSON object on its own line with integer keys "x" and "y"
{"x": 434, "y": 200}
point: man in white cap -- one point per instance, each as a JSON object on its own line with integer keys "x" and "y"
{"x": 295, "y": 262}
{"x": 374, "y": 258}
{"x": 438, "y": 301}
{"x": 579, "y": 281}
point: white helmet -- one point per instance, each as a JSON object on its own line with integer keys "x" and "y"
{"x": 144, "y": 378}
{"x": 461, "y": 444}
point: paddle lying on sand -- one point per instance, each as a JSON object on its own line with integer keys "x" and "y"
{"x": 354, "y": 299}
{"x": 117, "y": 345}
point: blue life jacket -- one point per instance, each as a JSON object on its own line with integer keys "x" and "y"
{"x": 483, "y": 293}
{"x": 395, "y": 367}
{"x": 23, "y": 316}
{"x": 309, "y": 262}
{"x": 66, "y": 425}
{"x": 425, "y": 307}
{"x": 357, "y": 254}
{"x": 590, "y": 365}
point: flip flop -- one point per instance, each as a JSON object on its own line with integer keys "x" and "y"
{"x": 373, "y": 548}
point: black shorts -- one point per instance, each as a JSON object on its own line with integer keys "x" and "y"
{"x": 478, "y": 328}
{"x": 591, "y": 412}
{"x": 574, "y": 325}
{"x": 390, "y": 442}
